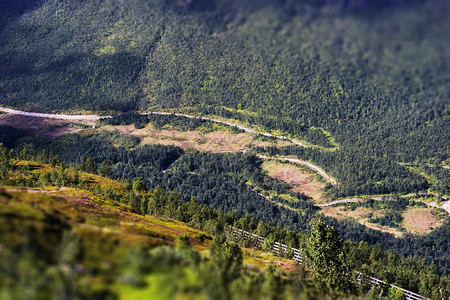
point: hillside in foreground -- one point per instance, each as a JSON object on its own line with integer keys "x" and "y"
{"x": 68, "y": 233}
{"x": 77, "y": 243}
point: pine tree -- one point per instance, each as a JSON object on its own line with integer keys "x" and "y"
{"x": 138, "y": 184}
{"x": 226, "y": 264}
{"x": 105, "y": 168}
{"x": 90, "y": 165}
{"x": 5, "y": 161}
{"x": 326, "y": 257}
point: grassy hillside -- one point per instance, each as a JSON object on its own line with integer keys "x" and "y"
{"x": 232, "y": 182}
{"x": 59, "y": 220}
{"x": 73, "y": 242}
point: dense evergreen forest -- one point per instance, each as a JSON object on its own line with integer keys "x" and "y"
{"x": 373, "y": 74}
{"x": 367, "y": 82}
{"x": 331, "y": 273}
{"x": 225, "y": 182}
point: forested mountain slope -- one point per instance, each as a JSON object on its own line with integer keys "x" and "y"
{"x": 373, "y": 74}
{"x": 370, "y": 78}
{"x": 231, "y": 182}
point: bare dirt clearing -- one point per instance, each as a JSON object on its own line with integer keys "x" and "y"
{"x": 421, "y": 220}
{"x": 39, "y": 126}
{"x": 416, "y": 220}
{"x": 360, "y": 214}
{"x": 217, "y": 141}
{"x": 301, "y": 180}
{"x": 305, "y": 163}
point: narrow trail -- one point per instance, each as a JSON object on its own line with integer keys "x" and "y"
{"x": 75, "y": 118}
{"x": 53, "y": 116}
{"x": 244, "y": 128}
{"x": 445, "y": 205}
{"x": 317, "y": 169}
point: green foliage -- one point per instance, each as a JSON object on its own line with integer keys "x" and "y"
{"x": 5, "y": 162}
{"x": 391, "y": 219}
{"x": 371, "y": 260}
{"x": 441, "y": 176}
{"x": 268, "y": 243}
{"x": 273, "y": 286}
{"x": 182, "y": 241}
{"x": 135, "y": 266}
{"x": 27, "y": 274}
{"x": 179, "y": 123}
{"x": 317, "y": 136}
{"x": 138, "y": 184}
{"x": 326, "y": 256}
{"x": 226, "y": 265}
{"x": 412, "y": 273}
{"x": 128, "y": 118}
{"x": 135, "y": 202}
{"x": 105, "y": 169}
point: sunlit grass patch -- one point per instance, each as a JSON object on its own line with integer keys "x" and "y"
{"x": 422, "y": 220}
{"x": 300, "y": 179}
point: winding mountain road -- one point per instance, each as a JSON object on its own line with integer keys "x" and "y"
{"x": 244, "y": 128}
{"x": 445, "y": 205}
{"x": 53, "y": 116}
{"x": 97, "y": 117}
{"x": 75, "y": 118}
{"x": 315, "y": 168}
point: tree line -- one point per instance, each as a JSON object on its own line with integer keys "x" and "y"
{"x": 222, "y": 182}
{"x": 158, "y": 202}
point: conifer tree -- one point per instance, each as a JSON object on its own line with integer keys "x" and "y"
{"x": 326, "y": 257}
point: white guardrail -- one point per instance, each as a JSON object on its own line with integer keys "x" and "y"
{"x": 258, "y": 242}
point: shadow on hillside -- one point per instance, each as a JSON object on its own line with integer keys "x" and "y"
{"x": 293, "y": 7}
{"x": 12, "y": 10}
{"x": 40, "y": 79}
{"x": 18, "y": 7}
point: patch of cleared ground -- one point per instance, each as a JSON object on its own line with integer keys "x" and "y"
{"x": 416, "y": 220}
{"x": 38, "y": 126}
{"x": 421, "y": 220}
{"x": 301, "y": 180}
{"x": 360, "y": 214}
{"x": 218, "y": 141}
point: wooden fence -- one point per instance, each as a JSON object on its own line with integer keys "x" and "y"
{"x": 258, "y": 242}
